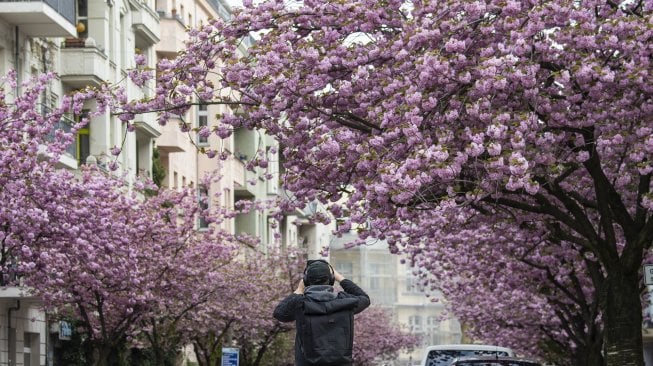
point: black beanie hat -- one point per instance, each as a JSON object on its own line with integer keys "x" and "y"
{"x": 318, "y": 273}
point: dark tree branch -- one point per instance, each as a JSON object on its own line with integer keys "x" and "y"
{"x": 608, "y": 199}
{"x": 576, "y": 218}
{"x": 642, "y": 189}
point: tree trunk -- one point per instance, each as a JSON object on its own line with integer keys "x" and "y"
{"x": 101, "y": 356}
{"x": 622, "y": 312}
{"x": 159, "y": 357}
{"x": 591, "y": 354}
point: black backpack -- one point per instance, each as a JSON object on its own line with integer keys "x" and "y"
{"x": 327, "y": 332}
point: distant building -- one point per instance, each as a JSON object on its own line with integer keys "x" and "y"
{"x": 392, "y": 285}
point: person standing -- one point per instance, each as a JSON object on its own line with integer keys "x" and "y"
{"x": 324, "y": 318}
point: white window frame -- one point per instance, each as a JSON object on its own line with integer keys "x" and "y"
{"x": 202, "y": 115}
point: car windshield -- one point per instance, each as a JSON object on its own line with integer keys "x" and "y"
{"x": 445, "y": 357}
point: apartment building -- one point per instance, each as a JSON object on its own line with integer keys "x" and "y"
{"x": 87, "y": 43}
{"x": 179, "y": 152}
{"x": 185, "y": 167}
{"x": 392, "y": 285}
{"x": 91, "y": 42}
{"x": 176, "y": 149}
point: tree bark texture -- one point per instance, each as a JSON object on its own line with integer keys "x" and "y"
{"x": 622, "y": 311}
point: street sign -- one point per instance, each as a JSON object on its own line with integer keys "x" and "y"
{"x": 230, "y": 357}
{"x": 648, "y": 274}
{"x": 65, "y": 331}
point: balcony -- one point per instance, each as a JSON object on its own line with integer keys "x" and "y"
{"x": 49, "y": 18}
{"x": 172, "y": 140}
{"x": 12, "y": 286}
{"x": 69, "y": 158}
{"x": 146, "y": 125}
{"x": 145, "y": 22}
{"x": 173, "y": 35}
{"x": 15, "y": 292}
{"x": 83, "y": 66}
{"x": 241, "y": 179}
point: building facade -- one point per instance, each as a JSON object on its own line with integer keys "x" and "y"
{"x": 87, "y": 43}
{"x": 186, "y": 167}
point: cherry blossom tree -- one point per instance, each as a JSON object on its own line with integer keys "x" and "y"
{"x": 30, "y": 186}
{"x": 241, "y": 313}
{"x": 125, "y": 262}
{"x": 377, "y": 338}
{"x": 540, "y": 111}
{"x": 541, "y": 299}
{"x": 127, "y": 258}
{"x": 189, "y": 277}
{"x": 282, "y": 271}
{"x": 43, "y": 207}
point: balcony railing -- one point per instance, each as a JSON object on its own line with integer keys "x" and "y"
{"x": 41, "y": 18}
{"x": 64, "y": 124}
{"x": 66, "y": 8}
{"x": 223, "y": 11}
{"x": 10, "y": 277}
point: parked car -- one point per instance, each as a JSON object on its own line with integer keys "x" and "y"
{"x": 493, "y": 361}
{"x": 444, "y": 354}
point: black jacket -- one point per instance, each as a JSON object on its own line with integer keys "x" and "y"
{"x": 292, "y": 307}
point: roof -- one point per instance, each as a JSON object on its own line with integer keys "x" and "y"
{"x": 466, "y": 347}
{"x": 494, "y": 360}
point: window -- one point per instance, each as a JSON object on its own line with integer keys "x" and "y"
{"x": 112, "y": 36}
{"x": 66, "y": 124}
{"x": 433, "y": 330}
{"x": 432, "y": 323}
{"x": 82, "y": 18}
{"x": 31, "y": 349}
{"x": 375, "y": 283}
{"x": 273, "y": 228}
{"x": 345, "y": 268}
{"x": 415, "y": 323}
{"x": 202, "y": 121}
{"x": 83, "y": 138}
{"x": 203, "y": 194}
{"x": 340, "y": 221}
{"x": 138, "y": 156}
{"x": 273, "y": 170}
{"x": 227, "y": 199}
{"x": 413, "y": 284}
{"x": 124, "y": 41}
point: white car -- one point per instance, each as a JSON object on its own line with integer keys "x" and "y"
{"x": 445, "y": 354}
{"x": 494, "y": 361}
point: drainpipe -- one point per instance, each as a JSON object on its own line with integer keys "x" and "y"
{"x": 10, "y": 356}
